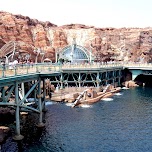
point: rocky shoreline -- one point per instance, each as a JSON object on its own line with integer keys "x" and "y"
{"x": 5, "y": 115}
{"x": 130, "y": 84}
{"x": 4, "y": 132}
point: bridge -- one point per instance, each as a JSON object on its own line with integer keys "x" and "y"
{"x": 137, "y": 69}
{"x": 24, "y": 81}
{"x": 21, "y": 82}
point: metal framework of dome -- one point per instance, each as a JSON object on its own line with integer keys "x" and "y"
{"x": 75, "y": 53}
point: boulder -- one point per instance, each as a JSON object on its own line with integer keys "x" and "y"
{"x": 130, "y": 84}
{"x": 4, "y": 131}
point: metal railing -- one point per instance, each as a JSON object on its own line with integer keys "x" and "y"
{"x": 24, "y": 69}
{"x": 90, "y": 65}
{"x": 137, "y": 65}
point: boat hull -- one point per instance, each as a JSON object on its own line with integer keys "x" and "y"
{"x": 100, "y": 96}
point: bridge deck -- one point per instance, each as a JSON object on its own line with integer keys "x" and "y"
{"x": 22, "y": 72}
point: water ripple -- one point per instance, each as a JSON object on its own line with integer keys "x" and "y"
{"x": 122, "y": 125}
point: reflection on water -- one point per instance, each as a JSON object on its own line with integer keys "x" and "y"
{"x": 118, "y": 94}
{"x": 107, "y": 99}
{"x": 49, "y": 103}
{"x": 82, "y": 106}
{"x": 85, "y": 106}
{"x": 125, "y": 88}
{"x": 121, "y": 125}
{"x": 69, "y": 104}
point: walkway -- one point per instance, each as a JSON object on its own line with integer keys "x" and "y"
{"x": 26, "y": 69}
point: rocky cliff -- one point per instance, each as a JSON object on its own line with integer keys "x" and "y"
{"x": 124, "y": 44}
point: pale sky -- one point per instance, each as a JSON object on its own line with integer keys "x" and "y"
{"x": 98, "y": 13}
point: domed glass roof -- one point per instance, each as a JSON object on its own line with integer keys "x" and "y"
{"x": 75, "y": 53}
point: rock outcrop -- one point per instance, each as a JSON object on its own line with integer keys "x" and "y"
{"x": 4, "y": 131}
{"x": 130, "y": 84}
{"x": 124, "y": 44}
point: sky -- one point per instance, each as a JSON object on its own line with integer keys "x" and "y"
{"x": 98, "y": 13}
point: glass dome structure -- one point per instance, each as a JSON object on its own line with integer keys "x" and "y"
{"x": 75, "y": 53}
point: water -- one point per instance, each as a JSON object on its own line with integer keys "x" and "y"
{"x": 123, "y": 124}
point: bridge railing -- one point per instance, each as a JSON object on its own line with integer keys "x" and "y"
{"x": 106, "y": 65}
{"x": 24, "y": 69}
{"x": 137, "y": 65}
{"x": 90, "y": 65}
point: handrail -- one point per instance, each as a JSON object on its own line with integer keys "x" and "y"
{"x": 25, "y": 69}
{"x": 20, "y": 69}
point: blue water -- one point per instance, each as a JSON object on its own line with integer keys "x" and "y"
{"x": 120, "y": 124}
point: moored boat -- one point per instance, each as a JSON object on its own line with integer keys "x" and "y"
{"x": 89, "y": 96}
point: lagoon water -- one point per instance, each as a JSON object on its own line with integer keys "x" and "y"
{"x": 120, "y": 124}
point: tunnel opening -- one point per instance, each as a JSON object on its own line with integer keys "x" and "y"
{"x": 144, "y": 80}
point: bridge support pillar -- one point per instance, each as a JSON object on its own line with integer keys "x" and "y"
{"x": 40, "y": 124}
{"x": 79, "y": 80}
{"x": 113, "y": 80}
{"x": 35, "y": 95}
{"x": 61, "y": 80}
{"x": 98, "y": 80}
{"x": 44, "y": 94}
{"x": 119, "y": 80}
{"x": 3, "y": 94}
{"x": 119, "y": 77}
{"x": 18, "y": 136}
{"x": 106, "y": 78}
{"x": 22, "y": 88}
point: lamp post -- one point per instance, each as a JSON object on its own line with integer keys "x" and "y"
{"x": 73, "y": 47}
{"x": 42, "y": 54}
{"x": 57, "y": 54}
{"x": 27, "y": 56}
{"x": 90, "y": 52}
{"x": 39, "y": 52}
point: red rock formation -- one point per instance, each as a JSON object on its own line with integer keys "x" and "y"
{"x": 59, "y": 39}
{"x": 124, "y": 44}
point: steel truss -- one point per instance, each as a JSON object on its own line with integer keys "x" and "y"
{"x": 20, "y": 103}
{"x": 89, "y": 77}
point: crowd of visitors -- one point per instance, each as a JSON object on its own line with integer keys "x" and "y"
{"x": 17, "y": 62}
